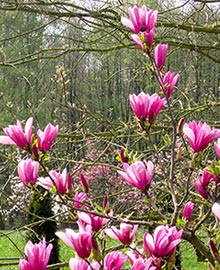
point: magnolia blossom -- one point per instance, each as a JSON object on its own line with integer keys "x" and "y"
{"x": 125, "y": 235}
{"x": 17, "y": 136}
{"x": 81, "y": 242}
{"x": 160, "y": 54}
{"x": 123, "y": 155}
{"x": 214, "y": 250}
{"x": 61, "y": 180}
{"x": 96, "y": 222}
{"x": 216, "y": 210}
{"x": 79, "y": 198}
{"x": 114, "y": 260}
{"x": 187, "y": 211}
{"x": 137, "y": 174}
{"x": 142, "y": 22}
{"x": 79, "y": 264}
{"x": 163, "y": 242}
{"x": 217, "y": 148}
{"x": 169, "y": 81}
{"x": 38, "y": 256}
{"x": 28, "y": 171}
{"x": 202, "y": 183}
{"x": 201, "y": 188}
{"x": 142, "y": 264}
{"x": 199, "y": 135}
{"x": 84, "y": 183}
{"x": 45, "y": 138}
{"x": 146, "y": 106}
{"x": 134, "y": 253}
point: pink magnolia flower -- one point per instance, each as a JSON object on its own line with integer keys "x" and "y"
{"x": 84, "y": 183}
{"x": 79, "y": 199}
{"x": 156, "y": 105}
{"x": 216, "y": 210}
{"x": 201, "y": 188}
{"x": 123, "y": 155}
{"x": 81, "y": 242}
{"x": 38, "y": 256}
{"x": 62, "y": 181}
{"x": 78, "y": 264}
{"x": 169, "y": 81}
{"x": 207, "y": 177}
{"x": 146, "y": 106}
{"x": 125, "y": 235}
{"x": 214, "y": 250}
{"x": 160, "y": 54}
{"x": 202, "y": 184}
{"x": 114, "y": 260}
{"x": 134, "y": 253}
{"x": 137, "y": 174}
{"x": 143, "y": 40}
{"x": 45, "y": 138}
{"x": 142, "y": 264}
{"x": 17, "y": 136}
{"x": 199, "y": 135}
{"x": 187, "y": 211}
{"x": 217, "y": 148}
{"x": 28, "y": 171}
{"x": 96, "y": 222}
{"x": 163, "y": 242}
{"x": 142, "y": 22}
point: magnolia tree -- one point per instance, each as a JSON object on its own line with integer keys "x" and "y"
{"x": 179, "y": 182}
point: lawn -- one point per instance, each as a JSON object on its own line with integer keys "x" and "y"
{"x": 12, "y": 246}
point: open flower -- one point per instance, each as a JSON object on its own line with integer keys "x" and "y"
{"x": 45, "y": 138}
{"x": 28, "y": 171}
{"x": 79, "y": 199}
{"x": 199, "y": 135}
{"x": 216, "y": 210}
{"x": 62, "y": 181}
{"x": 217, "y": 148}
{"x": 79, "y": 264}
{"x": 202, "y": 183}
{"x": 146, "y": 106}
{"x": 38, "y": 256}
{"x": 125, "y": 235}
{"x": 163, "y": 242}
{"x": 17, "y": 136}
{"x": 114, "y": 260}
{"x": 96, "y": 222}
{"x": 142, "y": 264}
{"x": 169, "y": 81}
{"x": 142, "y": 21}
{"x": 81, "y": 241}
{"x": 137, "y": 174}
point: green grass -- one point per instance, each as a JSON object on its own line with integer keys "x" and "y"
{"x": 12, "y": 248}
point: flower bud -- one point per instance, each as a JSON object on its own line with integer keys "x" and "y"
{"x": 84, "y": 183}
{"x": 187, "y": 211}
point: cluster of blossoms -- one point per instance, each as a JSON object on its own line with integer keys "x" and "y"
{"x": 23, "y": 138}
{"x": 157, "y": 248}
{"x": 38, "y": 256}
{"x": 143, "y": 22}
